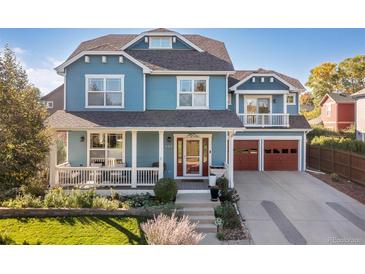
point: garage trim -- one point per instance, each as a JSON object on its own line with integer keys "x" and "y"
{"x": 271, "y": 137}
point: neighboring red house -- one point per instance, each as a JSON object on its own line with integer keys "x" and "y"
{"x": 337, "y": 111}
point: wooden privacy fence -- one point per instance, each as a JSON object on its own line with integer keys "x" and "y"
{"x": 347, "y": 164}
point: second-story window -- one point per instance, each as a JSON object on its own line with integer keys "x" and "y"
{"x": 160, "y": 42}
{"x": 105, "y": 91}
{"x": 192, "y": 92}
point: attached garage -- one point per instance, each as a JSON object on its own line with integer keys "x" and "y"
{"x": 246, "y": 155}
{"x": 281, "y": 155}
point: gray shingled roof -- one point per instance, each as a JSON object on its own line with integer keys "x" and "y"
{"x": 359, "y": 94}
{"x": 59, "y": 89}
{"x": 241, "y": 74}
{"x": 215, "y": 56}
{"x": 339, "y": 98}
{"x": 150, "y": 118}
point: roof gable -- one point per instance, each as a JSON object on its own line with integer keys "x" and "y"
{"x": 213, "y": 55}
{"x": 338, "y": 98}
{"x": 242, "y": 76}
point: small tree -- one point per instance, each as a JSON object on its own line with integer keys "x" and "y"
{"x": 24, "y": 139}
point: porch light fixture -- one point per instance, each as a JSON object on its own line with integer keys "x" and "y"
{"x": 82, "y": 139}
{"x": 169, "y": 139}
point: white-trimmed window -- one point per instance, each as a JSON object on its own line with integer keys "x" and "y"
{"x": 106, "y": 149}
{"x": 160, "y": 42}
{"x": 104, "y": 91}
{"x": 257, "y": 104}
{"x": 193, "y": 92}
{"x": 290, "y": 99}
{"x": 48, "y": 104}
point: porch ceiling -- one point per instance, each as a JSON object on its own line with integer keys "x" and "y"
{"x": 210, "y": 119}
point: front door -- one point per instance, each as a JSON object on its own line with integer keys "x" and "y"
{"x": 193, "y": 163}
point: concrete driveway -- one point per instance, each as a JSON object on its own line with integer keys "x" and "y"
{"x": 295, "y": 208}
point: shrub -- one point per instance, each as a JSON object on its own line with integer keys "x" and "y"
{"x": 6, "y": 240}
{"x": 139, "y": 200}
{"x": 220, "y": 236}
{"x": 58, "y": 198}
{"x": 24, "y": 201}
{"x": 335, "y": 177}
{"x": 36, "y": 187}
{"x": 165, "y": 190}
{"x": 222, "y": 183}
{"x": 227, "y": 212}
{"x": 309, "y": 115}
{"x": 165, "y": 230}
{"x": 55, "y": 197}
{"x": 102, "y": 202}
{"x": 321, "y": 131}
{"x": 80, "y": 199}
{"x": 340, "y": 143}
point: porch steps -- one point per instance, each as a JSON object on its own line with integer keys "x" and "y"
{"x": 200, "y": 210}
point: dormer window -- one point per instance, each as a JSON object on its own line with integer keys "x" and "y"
{"x": 160, "y": 42}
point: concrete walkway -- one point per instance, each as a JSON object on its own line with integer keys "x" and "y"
{"x": 296, "y": 208}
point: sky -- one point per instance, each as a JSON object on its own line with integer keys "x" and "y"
{"x": 290, "y": 51}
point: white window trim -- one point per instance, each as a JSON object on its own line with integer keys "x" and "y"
{"x": 160, "y": 47}
{"x": 192, "y": 78}
{"x": 245, "y": 97}
{"x": 49, "y": 104}
{"x": 294, "y": 100}
{"x": 104, "y": 76}
{"x": 106, "y": 143}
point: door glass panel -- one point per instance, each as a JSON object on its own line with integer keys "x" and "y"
{"x": 251, "y": 106}
{"x": 193, "y": 157}
{"x": 263, "y": 105}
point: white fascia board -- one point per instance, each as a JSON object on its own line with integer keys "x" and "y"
{"x": 291, "y": 87}
{"x": 252, "y": 91}
{"x": 162, "y": 34}
{"x": 60, "y": 69}
{"x": 276, "y": 129}
{"x": 189, "y": 72}
{"x": 217, "y": 129}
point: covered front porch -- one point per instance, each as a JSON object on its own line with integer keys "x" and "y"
{"x": 133, "y": 150}
{"x": 137, "y": 159}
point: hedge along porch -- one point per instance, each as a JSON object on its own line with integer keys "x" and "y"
{"x": 134, "y": 158}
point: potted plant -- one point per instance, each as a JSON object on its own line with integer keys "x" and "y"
{"x": 214, "y": 192}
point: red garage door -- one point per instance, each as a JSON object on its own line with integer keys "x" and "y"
{"x": 281, "y": 155}
{"x": 246, "y": 155}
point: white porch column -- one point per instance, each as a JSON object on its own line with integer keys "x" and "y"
{"x": 134, "y": 159}
{"x": 160, "y": 154}
{"x": 53, "y": 161}
{"x": 230, "y": 172}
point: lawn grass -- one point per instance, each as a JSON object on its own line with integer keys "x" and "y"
{"x": 74, "y": 230}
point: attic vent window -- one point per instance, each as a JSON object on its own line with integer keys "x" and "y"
{"x": 121, "y": 60}
{"x": 262, "y": 79}
{"x": 253, "y": 79}
{"x": 87, "y": 59}
{"x": 160, "y": 42}
{"x": 174, "y": 39}
{"x": 271, "y": 79}
{"x": 103, "y": 59}
{"x": 146, "y": 39}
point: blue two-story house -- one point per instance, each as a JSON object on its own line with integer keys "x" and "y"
{"x": 161, "y": 104}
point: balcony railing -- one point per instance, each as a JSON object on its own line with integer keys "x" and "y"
{"x": 265, "y": 119}
{"x": 105, "y": 176}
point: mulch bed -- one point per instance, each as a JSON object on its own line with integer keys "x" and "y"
{"x": 240, "y": 233}
{"x": 352, "y": 189}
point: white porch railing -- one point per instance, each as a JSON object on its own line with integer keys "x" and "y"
{"x": 265, "y": 120}
{"x": 147, "y": 176}
{"x": 104, "y": 176}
